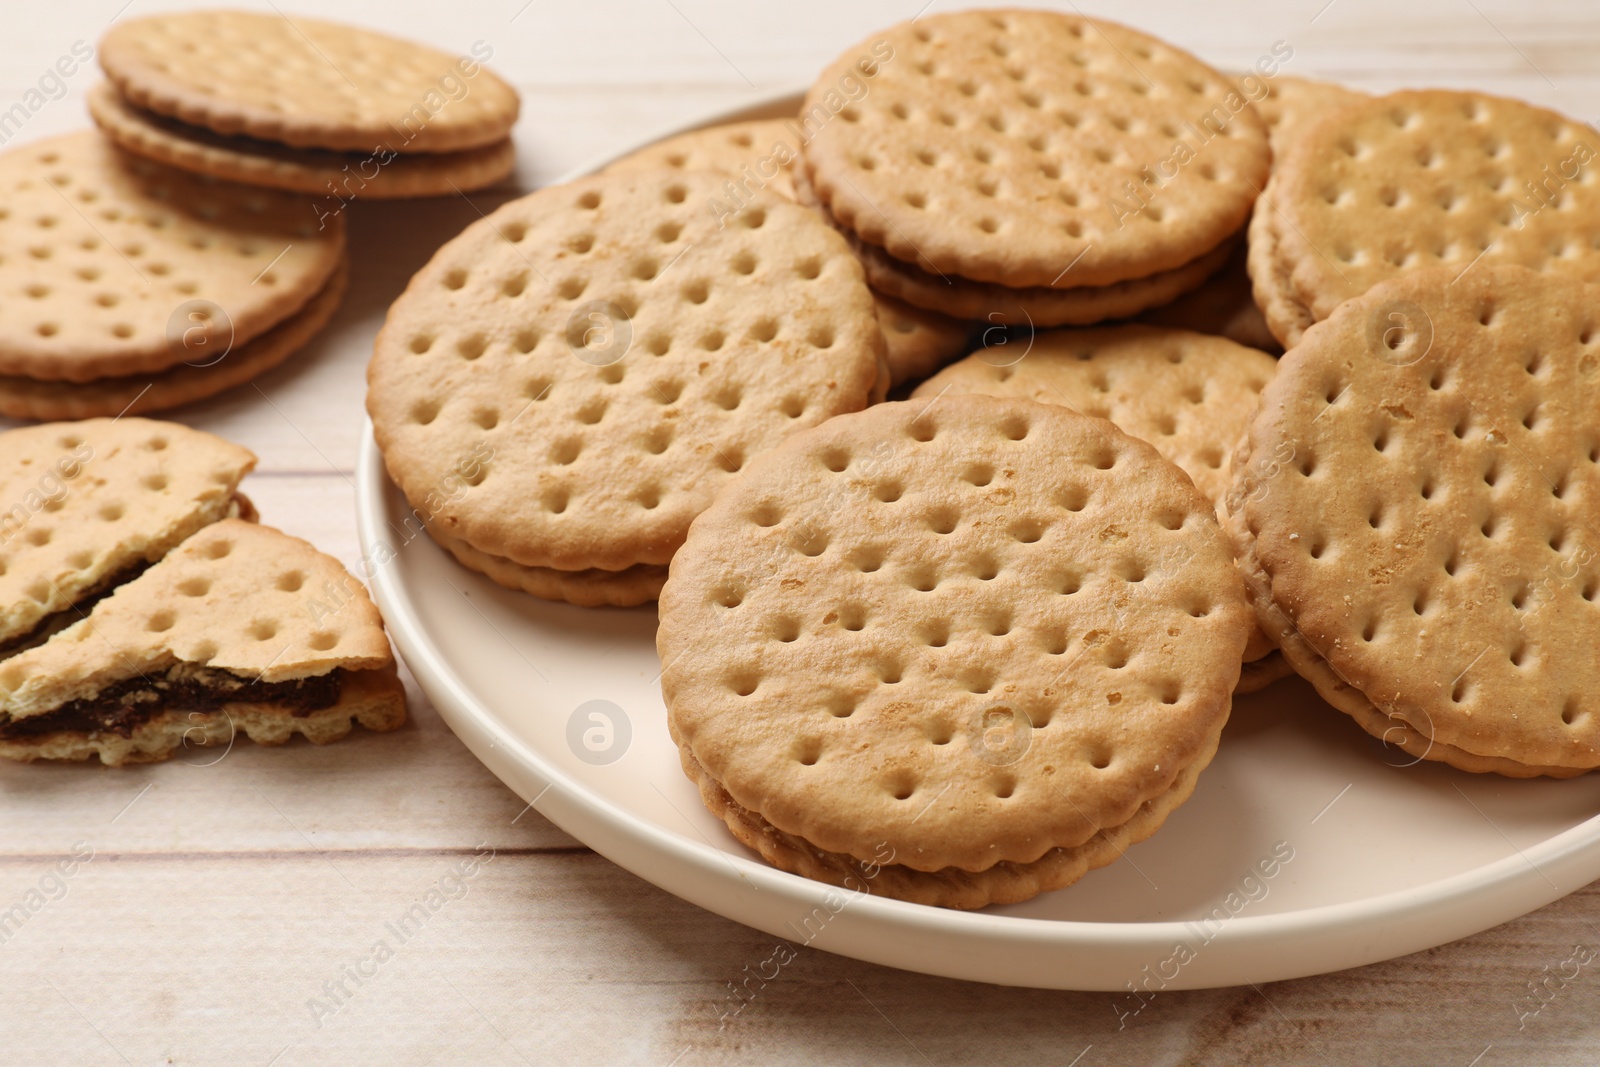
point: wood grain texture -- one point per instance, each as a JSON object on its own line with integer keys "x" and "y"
{"x": 221, "y": 900}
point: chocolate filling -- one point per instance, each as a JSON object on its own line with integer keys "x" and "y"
{"x": 124, "y": 707}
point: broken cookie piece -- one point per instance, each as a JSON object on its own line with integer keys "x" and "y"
{"x": 86, "y": 506}
{"x": 241, "y": 629}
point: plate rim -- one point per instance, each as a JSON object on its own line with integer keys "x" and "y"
{"x": 1513, "y": 882}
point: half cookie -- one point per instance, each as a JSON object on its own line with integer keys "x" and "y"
{"x": 95, "y": 503}
{"x": 966, "y": 650}
{"x": 241, "y": 628}
{"x": 1417, "y": 506}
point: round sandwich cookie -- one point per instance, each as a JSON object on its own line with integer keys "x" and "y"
{"x": 111, "y": 265}
{"x": 1419, "y": 179}
{"x": 381, "y": 175}
{"x": 209, "y": 371}
{"x": 230, "y": 633}
{"x": 1416, "y": 506}
{"x": 93, "y": 504}
{"x": 567, "y": 383}
{"x": 967, "y": 649}
{"x": 1006, "y": 146}
{"x": 1190, "y": 395}
{"x": 306, "y": 83}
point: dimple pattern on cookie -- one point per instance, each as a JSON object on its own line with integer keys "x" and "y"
{"x": 1188, "y": 394}
{"x": 87, "y": 500}
{"x": 234, "y": 596}
{"x": 1000, "y": 147}
{"x": 116, "y": 265}
{"x": 1050, "y": 624}
{"x": 630, "y": 376}
{"x": 1462, "y": 540}
{"x": 1428, "y": 178}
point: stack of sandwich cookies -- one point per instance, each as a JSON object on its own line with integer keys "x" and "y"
{"x": 1414, "y": 507}
{"x": 132, "y": 283}
{"x": 305, "y": 105}
{"x": 91, "y": 504}
{"x": 230, "y": 633}
{"x": 1004, "y": 159}
{"x": 1188, "y": 394}
{"x": 565, "y": 385}
{"x": 760, "y": 155}
{"x": 1422, "y": 178}
{"x": 967, "y": 649}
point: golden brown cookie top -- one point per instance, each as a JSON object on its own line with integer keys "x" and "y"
{"x": 113, "y": 265}
{"x": 975, "y": 629}
{"x": 1009, "y": 146}
{"x": 86, "y": 501}
{"x": 1423, "y": 491}
{"x": 306, "y": 83}
{"x": 568, "y": 382}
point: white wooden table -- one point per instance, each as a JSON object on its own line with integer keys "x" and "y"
{"x": 228, "y": 912}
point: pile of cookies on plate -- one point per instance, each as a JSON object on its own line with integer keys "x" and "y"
{"x": 959, "y": 635}
{"x": 196, "y": 238}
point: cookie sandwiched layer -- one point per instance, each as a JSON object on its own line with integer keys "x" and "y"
{"x": 972, "y": 634}
{"x": 370, "y": 175}
{"x": 242, "y": 628}
{"x": 1415, "y": 508}
{"x": 205, "y": 376}
{"x": 90, "y": 505}
{"x": 306, "y": 83}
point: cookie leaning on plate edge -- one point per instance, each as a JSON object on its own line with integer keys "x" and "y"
{"x": 1445, "y": 596}
{"x": 973, "y": 639}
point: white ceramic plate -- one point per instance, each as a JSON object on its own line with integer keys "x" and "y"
{"x": 1306, "y": 848}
